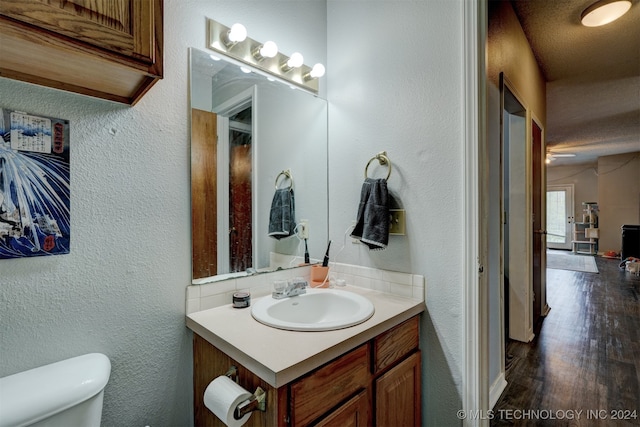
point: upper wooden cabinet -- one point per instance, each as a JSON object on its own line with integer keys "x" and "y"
{"x": 109, "y": 49}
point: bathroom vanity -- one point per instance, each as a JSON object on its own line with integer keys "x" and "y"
{"x": 362, "y": 375}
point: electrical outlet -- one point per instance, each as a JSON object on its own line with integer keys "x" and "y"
{"x": 303, "y": 229}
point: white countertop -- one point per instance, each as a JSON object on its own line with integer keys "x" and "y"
{"x": 278, "y": 356}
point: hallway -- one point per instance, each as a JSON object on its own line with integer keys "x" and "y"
{"x": 583, "y": 368}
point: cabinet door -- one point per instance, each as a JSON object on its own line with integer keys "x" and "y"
{"x": 120, "y": 26}
{"x": 354, "y": 413}
{"x": 397, "y": 395}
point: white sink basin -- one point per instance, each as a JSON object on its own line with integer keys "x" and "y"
{"x": 317, "y": 310}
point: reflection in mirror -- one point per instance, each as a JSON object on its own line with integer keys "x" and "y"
{"x": 246, "y": 130}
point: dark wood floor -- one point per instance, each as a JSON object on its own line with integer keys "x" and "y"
{"x": 585, "y": 357}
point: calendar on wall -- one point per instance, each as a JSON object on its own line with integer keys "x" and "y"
{"x": 34, "y": 185}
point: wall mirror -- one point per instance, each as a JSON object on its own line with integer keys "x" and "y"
{"x": 246, "y": 130}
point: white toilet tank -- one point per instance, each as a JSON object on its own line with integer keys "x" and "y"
{"x": 63, "y": 394}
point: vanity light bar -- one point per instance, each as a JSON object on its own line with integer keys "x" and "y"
{"x": 244, "y": 51}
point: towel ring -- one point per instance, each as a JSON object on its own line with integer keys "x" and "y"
{"x": 287, "y": 174}
{"x": 383, "y": 159}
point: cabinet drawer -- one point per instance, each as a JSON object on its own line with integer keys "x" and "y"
{"x": 393, "y": 345}
{"x": 326, "y": 387}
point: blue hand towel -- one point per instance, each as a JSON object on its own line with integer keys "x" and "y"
{"x": 282, "y": 222}
{"x": 372, "y": 227}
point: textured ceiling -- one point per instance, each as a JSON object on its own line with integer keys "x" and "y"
{"x": 593, "y": 78}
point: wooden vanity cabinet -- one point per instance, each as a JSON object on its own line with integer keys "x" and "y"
{"x": 377, "y": 383}
{"x": 109, "y": 49}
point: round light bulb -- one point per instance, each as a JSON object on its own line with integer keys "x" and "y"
{"x": 269, "y": 50}
{"x": 296, "y": 60}
{"x": 317, "y": 71}
{"x": 602, "y": 13}
{"x": 237, "y": 33}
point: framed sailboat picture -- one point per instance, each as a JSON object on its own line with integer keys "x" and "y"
{"x": 34, "y": 185}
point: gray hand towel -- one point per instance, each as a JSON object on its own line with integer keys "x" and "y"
{"x": 282, "y": 222}
{"x": 372, "y": 227}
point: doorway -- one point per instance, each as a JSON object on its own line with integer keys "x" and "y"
{"x": 516, "y": 224}
{"x": 560, "y": 216}
{"x": 236, "y": 195}
{"x": 240, "y": 192}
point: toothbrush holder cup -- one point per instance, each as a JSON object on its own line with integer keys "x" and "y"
{"x": 319, "y": 276}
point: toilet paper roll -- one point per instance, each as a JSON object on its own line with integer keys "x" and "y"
{"x": 222, "y": 396}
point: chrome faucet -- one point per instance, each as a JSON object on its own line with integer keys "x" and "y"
{"x": 292, "y": 289}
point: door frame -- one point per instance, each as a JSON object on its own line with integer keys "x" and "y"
{"x": 475, "y": 395}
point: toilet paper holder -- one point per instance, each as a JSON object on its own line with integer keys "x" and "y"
{"x": 257, "y": 402}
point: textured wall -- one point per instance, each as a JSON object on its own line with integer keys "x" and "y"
{"x": 121, "y": 291}
{"x": 508, "y": 52}
{"x": 395, "y": 84}
{"x": 618, "y": 197}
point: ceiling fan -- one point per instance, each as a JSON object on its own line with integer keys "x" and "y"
{"x": 552, "y": 156}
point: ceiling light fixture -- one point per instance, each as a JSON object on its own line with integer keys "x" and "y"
{"x": 267, "y": 50}
{"x": 236, "y": 34}
{"x": 316, "y": 72}
{"x": 263, "y": 57}
{"x": 603, "y": 12}
{"x": 296, "y": 60}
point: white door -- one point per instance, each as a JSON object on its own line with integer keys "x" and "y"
{"x": 559, "y": 216}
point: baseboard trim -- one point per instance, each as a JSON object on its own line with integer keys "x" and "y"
{"x": 531, "y": 335}
{"x": 496, "y": 390}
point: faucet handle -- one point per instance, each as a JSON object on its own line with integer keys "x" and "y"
{"x": 280, "y": 285}
{"x": 290, "y": 288}
{"x": 298, "y": 283}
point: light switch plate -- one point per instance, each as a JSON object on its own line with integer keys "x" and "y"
{"x": 397, "y": 222}
{"x": 353, "y": 225}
